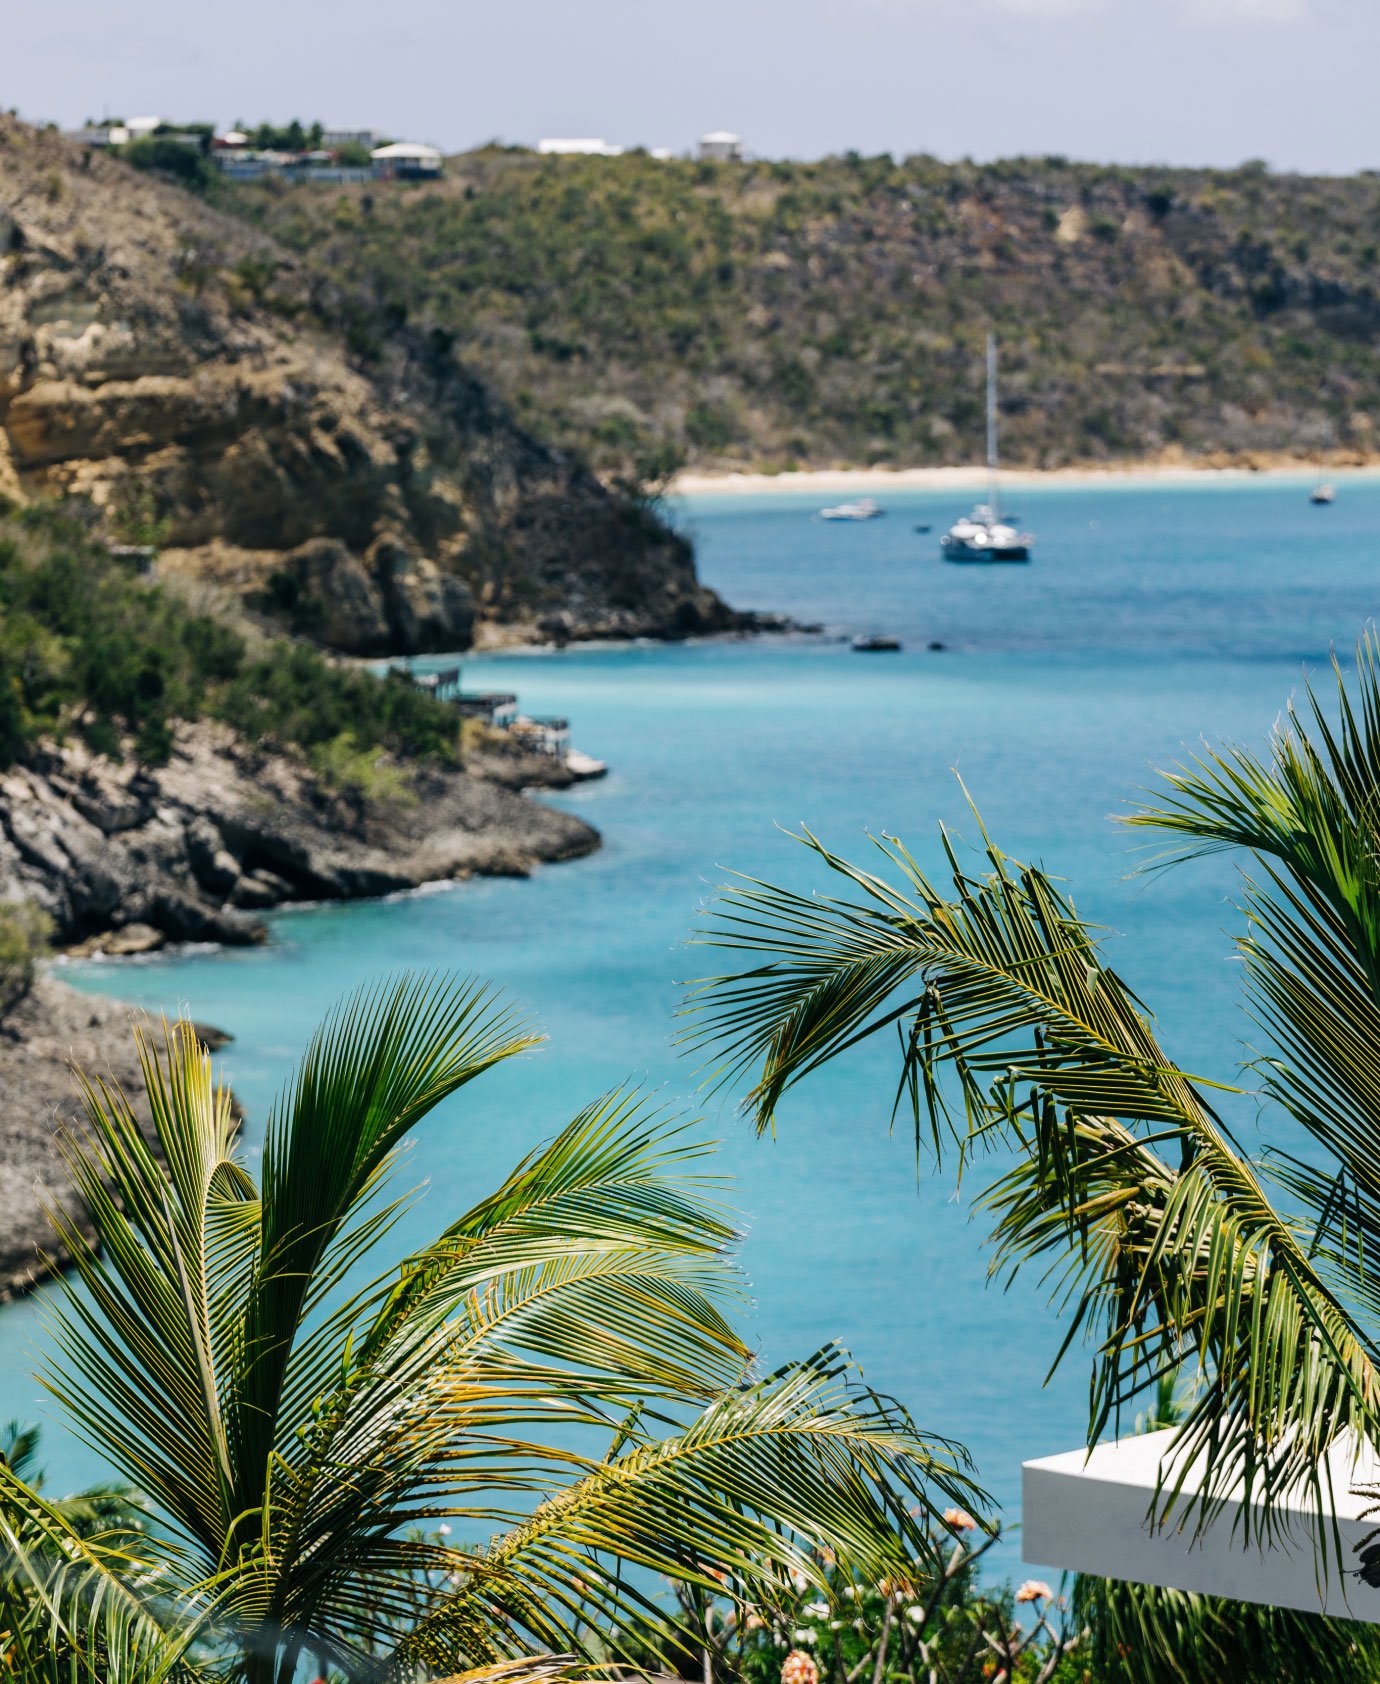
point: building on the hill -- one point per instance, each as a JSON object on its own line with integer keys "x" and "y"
{"x": 585, "y": 148}
{"x": 719, "y": 146}
{"x": 406, "y": 160}
{"x": 100, "y": 134}
{"x": 334, "y": 139}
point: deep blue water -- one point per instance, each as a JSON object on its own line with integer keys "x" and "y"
{"x": 1151, "y": 616}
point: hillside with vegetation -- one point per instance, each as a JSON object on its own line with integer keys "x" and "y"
{"x": 168, "y": 771}
{"x": 777, "y": 314}
{"x": 289, "y": 436}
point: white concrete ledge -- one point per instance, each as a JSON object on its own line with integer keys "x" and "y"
{"x": 1086, "y": 1512}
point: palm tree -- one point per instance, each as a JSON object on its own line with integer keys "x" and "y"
{"x": 68, "y": 1607}
{"x": 1166, "y": 1238}
{"x": 479, "y": 1457}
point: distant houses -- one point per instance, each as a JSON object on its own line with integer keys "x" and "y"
{"x": 585, "y": 148}
{"x": 721, "y": 147}
{"x": 406, "y": 160}
{"x": 298, "y": 153}
{"x": 292, "y": 153}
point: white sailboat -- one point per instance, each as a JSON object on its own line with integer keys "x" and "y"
{"x": 984, "y": 536}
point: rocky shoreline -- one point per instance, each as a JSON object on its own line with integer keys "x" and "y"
{"x": 51, "y": 1032}
{"x": 123, "y": 859}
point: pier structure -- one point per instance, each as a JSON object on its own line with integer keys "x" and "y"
{"x": 545, "y": 735}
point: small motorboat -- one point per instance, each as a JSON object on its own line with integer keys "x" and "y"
{"x": 877, "y": 643}
{"x": 1322, "y": 494}
{"x": 924, "y": 527}
{"x": 864, "y": 509}
{"x": 582, "y": 767}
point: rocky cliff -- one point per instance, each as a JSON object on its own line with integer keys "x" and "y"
{"x": 196, "y": 383}
{"x": 123, "y": 858}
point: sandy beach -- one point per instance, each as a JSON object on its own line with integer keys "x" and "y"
{"x": 828, "y": 481}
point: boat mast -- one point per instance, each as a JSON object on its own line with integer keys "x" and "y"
{"x": 992, "y": 425}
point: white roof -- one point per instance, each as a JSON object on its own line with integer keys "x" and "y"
{"x": 721, "y": 137}
{"x": 234, "y": 137}
{"x": 142, "y": 125}
{"x": 590, "y": 145}
{"x": 1086, "y": 1511}
{"x": 407, "y": 149}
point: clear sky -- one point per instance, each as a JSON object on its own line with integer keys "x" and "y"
{"x": 1182, "y": 81}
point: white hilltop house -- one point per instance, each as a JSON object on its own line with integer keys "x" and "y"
{"x": 407, "y": 159}
{"x": 116, "y": 134}
{"x": 585, "y": 148}
{"x": 721, "y": 146}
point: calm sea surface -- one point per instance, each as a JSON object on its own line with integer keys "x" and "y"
{"x": 1151, "y": 616}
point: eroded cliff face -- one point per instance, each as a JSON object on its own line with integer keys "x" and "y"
{"x": 124, "y": 858}
{"x": 179, "y": 370}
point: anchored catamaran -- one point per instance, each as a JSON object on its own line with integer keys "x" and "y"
{"x": 984, "y": 535}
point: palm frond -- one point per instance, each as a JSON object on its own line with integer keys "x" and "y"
{"x": 376, "y": 1067}
{"x": 767, "y": 1477}
{"x": 1310, "y": 813}
{"x": 1160, "y": 1233}
{"x": 72, "y": 1607}
{"x": 1146, "y": 1634}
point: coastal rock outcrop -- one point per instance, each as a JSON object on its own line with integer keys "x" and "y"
{"x": 124, "y": 858}
{"x": 51, "y": 1030}
{"x": 336, "y": 470}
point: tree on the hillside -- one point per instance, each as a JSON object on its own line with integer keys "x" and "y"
{"x": 476, "y": 1457}
{"x": 1165, "y": 1236}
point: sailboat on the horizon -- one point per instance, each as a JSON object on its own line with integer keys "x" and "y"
{"x": 984, "y": 535}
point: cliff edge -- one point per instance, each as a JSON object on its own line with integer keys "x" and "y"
{"x": 340, "y": 473}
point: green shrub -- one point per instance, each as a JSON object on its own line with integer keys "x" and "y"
{"x": 91, "y": 650}
{"x": 24, "y": 935}
{"x": 169, "y": 157}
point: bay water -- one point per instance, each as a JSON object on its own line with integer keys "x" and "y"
{"x": 1153, "y": 614}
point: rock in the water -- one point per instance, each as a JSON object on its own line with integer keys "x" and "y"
{"x": 121, "y": 944}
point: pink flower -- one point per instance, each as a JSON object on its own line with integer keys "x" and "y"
{"x": 1034, "y": 1590}
{"x": 959, "y": 1520}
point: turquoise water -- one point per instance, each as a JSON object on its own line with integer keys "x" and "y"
{"x": 1150, "y": 616}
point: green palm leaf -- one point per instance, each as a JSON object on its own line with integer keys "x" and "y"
{"x": 555, "y": 1378}
{"x": 72, "y": 1604}
{"x": 1162, "y": 1236}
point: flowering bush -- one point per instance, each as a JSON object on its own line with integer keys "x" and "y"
{"x": 941, "y": 1626}
{"x": 799, "y": 1668}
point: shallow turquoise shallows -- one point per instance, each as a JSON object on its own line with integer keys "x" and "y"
{"x": 1151, "y": 615}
